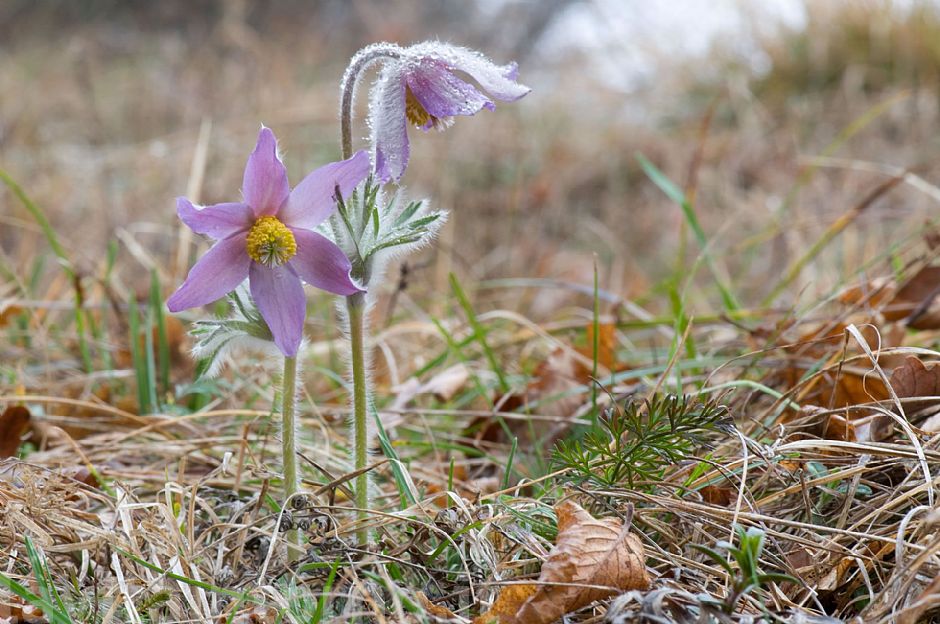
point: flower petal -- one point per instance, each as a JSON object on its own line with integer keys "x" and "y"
{"x": 498, "y": 81}
{"x": 218, "y": 221}
{"x": 279, "y": 295}
{"x": 265, "y": 186}
{"x": 217, "y": 273}
{"x": 322, "y": 264}
{"x": 443, "y": 94}
{"x": 389, "y": 125}
{"x": 311, "y": 201}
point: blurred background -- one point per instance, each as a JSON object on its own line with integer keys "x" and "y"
{"x": 774, "y": 118}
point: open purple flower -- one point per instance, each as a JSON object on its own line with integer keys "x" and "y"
{"x": 420, "y": 87}
{"x": 269, "y": 238}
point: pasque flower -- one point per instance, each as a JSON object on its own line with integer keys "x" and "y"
{"x": 418, "y": 86}
{"x": 269, "y": 238}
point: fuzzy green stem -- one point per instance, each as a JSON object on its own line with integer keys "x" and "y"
{"x": 356, "y": 304}
{"x": 355, "y": 307}
{"x": 289, "y": 449}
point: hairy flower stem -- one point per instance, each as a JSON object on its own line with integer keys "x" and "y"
{"x": 359, "y": 63}
{"x": 355, "y": 307}
{"x": 289, "y": 449}
{"x": 356, "y": 304}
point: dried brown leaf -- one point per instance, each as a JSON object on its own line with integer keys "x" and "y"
{"x": 916, "y": 379}
{"x": 718, "y": 495}
{"x": 836, "y": 386}
{"x": 554, "y": 379}
{"x": 81, "y": 474}
{"x": 606, "y": 345}
{"x": 916, "y": 300}
{"x": 13, "y": 423}
{"x": 553, "y": 382}
{"x": 931, "y": 236}
{"x": 509, "y": 601}
{"x": 588, "y": 553}
{"x": 866, "y": 429}
{"x": 8, "y": 313}
{"x": 437, "y": 611}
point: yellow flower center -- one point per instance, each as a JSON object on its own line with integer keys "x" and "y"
{"x": 415, "y": 113}
{"x": 419, "y": 116}
{"x": 270, "y": 242}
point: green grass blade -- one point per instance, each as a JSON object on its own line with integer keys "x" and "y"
{"x": 681, "y": 322}
{"x": 163, "y": 345}
{"x": 25, "y": 594}
{"x": 35, "y": 562}
{"x": 479, "y": 332}
{"x": 58, "y": 613}
{"x": 149, "y": 362}
{"x": 324, "y": 595}
{"x": 398, "y": 468}
{"x": 43, "y": 222}
{"x": 456, "y": 348}
{"x": 244, "y": 597}
{"x": 81, "y": 330}
{"x": 65, "y": 262}
{"x": 507, "y": 471}
{"x": 137, "y": 357}
{"x": 596, "y": 343}
{"x": 676, "y": 194}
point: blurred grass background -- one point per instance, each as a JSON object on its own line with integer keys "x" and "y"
{"x": 101, "y": 105}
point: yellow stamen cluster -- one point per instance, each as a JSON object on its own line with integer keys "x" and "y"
{"x": 270, "y": 242}
{"x": 415, "y": 113}
{"x": 419, "y": 116}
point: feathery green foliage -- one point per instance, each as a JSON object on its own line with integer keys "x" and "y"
{"x": 636, "y": 443}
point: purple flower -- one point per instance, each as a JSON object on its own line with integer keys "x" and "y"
{"x": 420, "y": 87}
{"x": 269, "y": 238}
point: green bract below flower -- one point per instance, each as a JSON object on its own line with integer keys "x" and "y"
{"x": 269, "y": 239}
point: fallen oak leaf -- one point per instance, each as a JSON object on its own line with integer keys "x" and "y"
{"x": 589, "y": 554}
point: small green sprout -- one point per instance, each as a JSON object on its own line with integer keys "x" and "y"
{"x": 746, "y": 576}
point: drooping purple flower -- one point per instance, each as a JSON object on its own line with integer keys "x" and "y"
{"x": 269, "y": 238}
{"x": 420, "y": 87}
